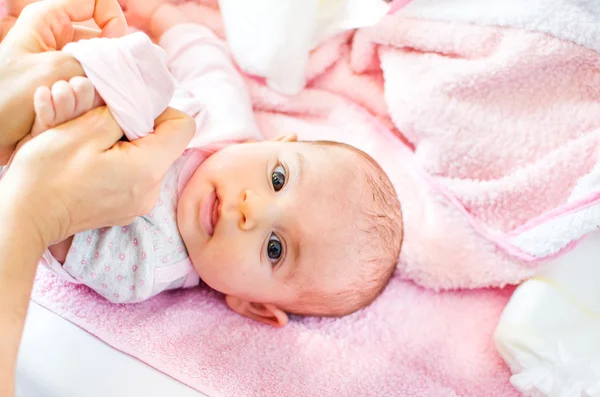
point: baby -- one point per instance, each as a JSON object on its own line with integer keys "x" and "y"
{"x": 310, "y": 228}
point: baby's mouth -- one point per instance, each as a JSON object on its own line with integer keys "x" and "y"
{"x": 216, "y": 212}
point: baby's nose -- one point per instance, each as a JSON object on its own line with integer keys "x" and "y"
{"x": 253, "y": 210}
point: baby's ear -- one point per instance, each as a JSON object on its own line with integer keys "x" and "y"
{"x": 288, "y": 138}
{"x": 263, "y": 312}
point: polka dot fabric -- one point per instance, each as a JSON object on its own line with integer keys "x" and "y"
{"x": 121, "y": 263}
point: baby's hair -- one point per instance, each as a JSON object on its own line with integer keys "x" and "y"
{"x": 378, "y": 246}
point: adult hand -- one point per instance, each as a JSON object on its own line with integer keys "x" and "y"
{"x": 79, "y": 176}
{"x": 29, "y": 56}
{"x": 73, "y": 177}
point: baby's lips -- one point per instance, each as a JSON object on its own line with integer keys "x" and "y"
{"x": 216, "y": 212}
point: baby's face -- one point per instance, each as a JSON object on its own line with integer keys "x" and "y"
{"x": 260, "y": 220}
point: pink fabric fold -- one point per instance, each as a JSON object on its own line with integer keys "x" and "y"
{"x": 118, "y": 68}
{"x": 504, "y": 124}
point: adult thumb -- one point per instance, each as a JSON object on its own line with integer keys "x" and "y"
{"x": 48, "y": 25}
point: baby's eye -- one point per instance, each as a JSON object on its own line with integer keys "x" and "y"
{"x": 274, "y": 248}
{"x": 278, "y": 178}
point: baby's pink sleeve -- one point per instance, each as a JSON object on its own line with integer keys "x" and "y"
{"x": 131, "y": 76}
{"x": 210, "y": 88}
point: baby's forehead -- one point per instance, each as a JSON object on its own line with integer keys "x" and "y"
{"x": 330, "y": 160}
{"x": 330, "y": 205}
{"x": 329, "y": 260}
{"x": 336, "y": 176}
{"x": 331, "y": 218}
{"x": 337, "y": 214}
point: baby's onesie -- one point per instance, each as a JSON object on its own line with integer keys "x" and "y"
{"x": 135, "y": 262}
{"x": 134, "y": 77}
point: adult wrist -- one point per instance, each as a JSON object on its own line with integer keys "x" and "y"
{"x": 25, "y": 216}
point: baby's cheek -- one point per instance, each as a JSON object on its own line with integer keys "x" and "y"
{"x": 230, "y": 276}
{"x": 214, "y": 270}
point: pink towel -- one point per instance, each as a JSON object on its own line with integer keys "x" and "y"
{"x": 411, "y": 342}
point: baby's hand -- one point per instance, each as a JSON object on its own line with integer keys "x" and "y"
{"x": 139, "y": 13}
{"x": 63, "y": 102}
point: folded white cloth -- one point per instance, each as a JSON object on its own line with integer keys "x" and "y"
{"x": 549, "y": 333}
{"x": 273, "y": 38}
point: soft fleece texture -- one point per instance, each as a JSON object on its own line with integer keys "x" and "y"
{"x": 411, "y": 342}
{"x": 504, "y": 123}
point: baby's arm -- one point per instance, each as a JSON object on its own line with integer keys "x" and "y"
{"x": 203, "y": 69}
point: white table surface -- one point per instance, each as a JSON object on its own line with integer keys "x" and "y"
{"x": 59, "y": 359}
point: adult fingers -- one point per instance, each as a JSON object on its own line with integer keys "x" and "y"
{"x": 48, "y": 25}
{"x": 106, "y": 13}
{"x": 97, "y": 128}
{"x": 47, "y": 68}
{"x": 173, "y": 132}
{"x": 85, "y": 33}
{"x": 23, "y": 141}
{"x": 5, "y": 154}
{"x": 94, "y": 132}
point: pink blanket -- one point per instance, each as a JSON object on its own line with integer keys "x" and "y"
{"x": 506, "y": 128}
{"x": 411, "y": 342}
{"x": 435, "y": 82}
